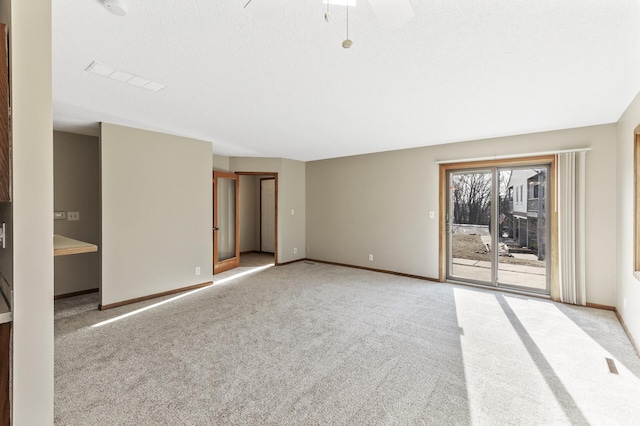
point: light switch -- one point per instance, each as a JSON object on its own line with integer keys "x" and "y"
{"x": 59, "y": 215}
{"x": 432, "y": 215}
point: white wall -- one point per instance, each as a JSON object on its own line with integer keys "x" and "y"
{"x": 379, "y": 204}
{"x": 76, "y": 167}
{"x": 156, "y": 212}
{"x": 220, "y": 162}
{"x": 628, "y": 297}
{"x": 291, "y": 195}
{"x": 32, "y": 212}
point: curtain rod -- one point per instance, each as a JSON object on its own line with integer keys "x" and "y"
{"x": 501, "y": 157}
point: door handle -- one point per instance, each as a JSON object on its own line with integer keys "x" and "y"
{"x": 215, "y": 228}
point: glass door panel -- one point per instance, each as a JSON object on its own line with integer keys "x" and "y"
{"x": 226, "y": 218}
{"x": 469, "y": 225}
{"x": 522, "y": 260}
{"x": 226, "y": 250}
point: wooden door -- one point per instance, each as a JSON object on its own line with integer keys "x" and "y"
{"x": 5, "y": 122}
{"x": 226, "y": 230}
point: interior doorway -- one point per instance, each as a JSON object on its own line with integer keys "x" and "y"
{"x": 497, "y": 226}
{"x": 267, "y": 215}
{"x": 258, "y": 221}
{"x": 245, "y": 218}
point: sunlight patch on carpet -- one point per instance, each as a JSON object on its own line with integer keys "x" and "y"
{"x": 180, "y": 296}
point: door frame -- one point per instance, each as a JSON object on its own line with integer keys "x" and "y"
{"x": 511, "y": 162}
{"x": 234, "y": 262}
{"x": 273, "y": 175}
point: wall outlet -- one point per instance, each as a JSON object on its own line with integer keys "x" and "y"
{"x": 293, "y": 212}
{"x": 370, "y": 258}
{"x": 73, "y": 216}
{"x": 197, "y": 270}
{"x": 295, "y": 251}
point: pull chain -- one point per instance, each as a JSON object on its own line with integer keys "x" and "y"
{"x": 347, "y": 43}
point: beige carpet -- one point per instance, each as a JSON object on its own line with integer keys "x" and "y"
{"x": 308, "y": 344}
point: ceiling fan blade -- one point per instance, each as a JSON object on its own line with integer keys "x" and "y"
{"x": 265, "y": 8}
{"x": 392, "y": 14}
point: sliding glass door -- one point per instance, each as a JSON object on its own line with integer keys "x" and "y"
{"x": 497, "y": 227}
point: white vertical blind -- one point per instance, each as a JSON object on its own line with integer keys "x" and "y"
{"x": 571, "y": 227}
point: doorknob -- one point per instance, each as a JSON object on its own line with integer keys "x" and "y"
{"x": 215, "y": 228}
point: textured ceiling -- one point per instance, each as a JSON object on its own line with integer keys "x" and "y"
{"x": 281, "y": 85}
